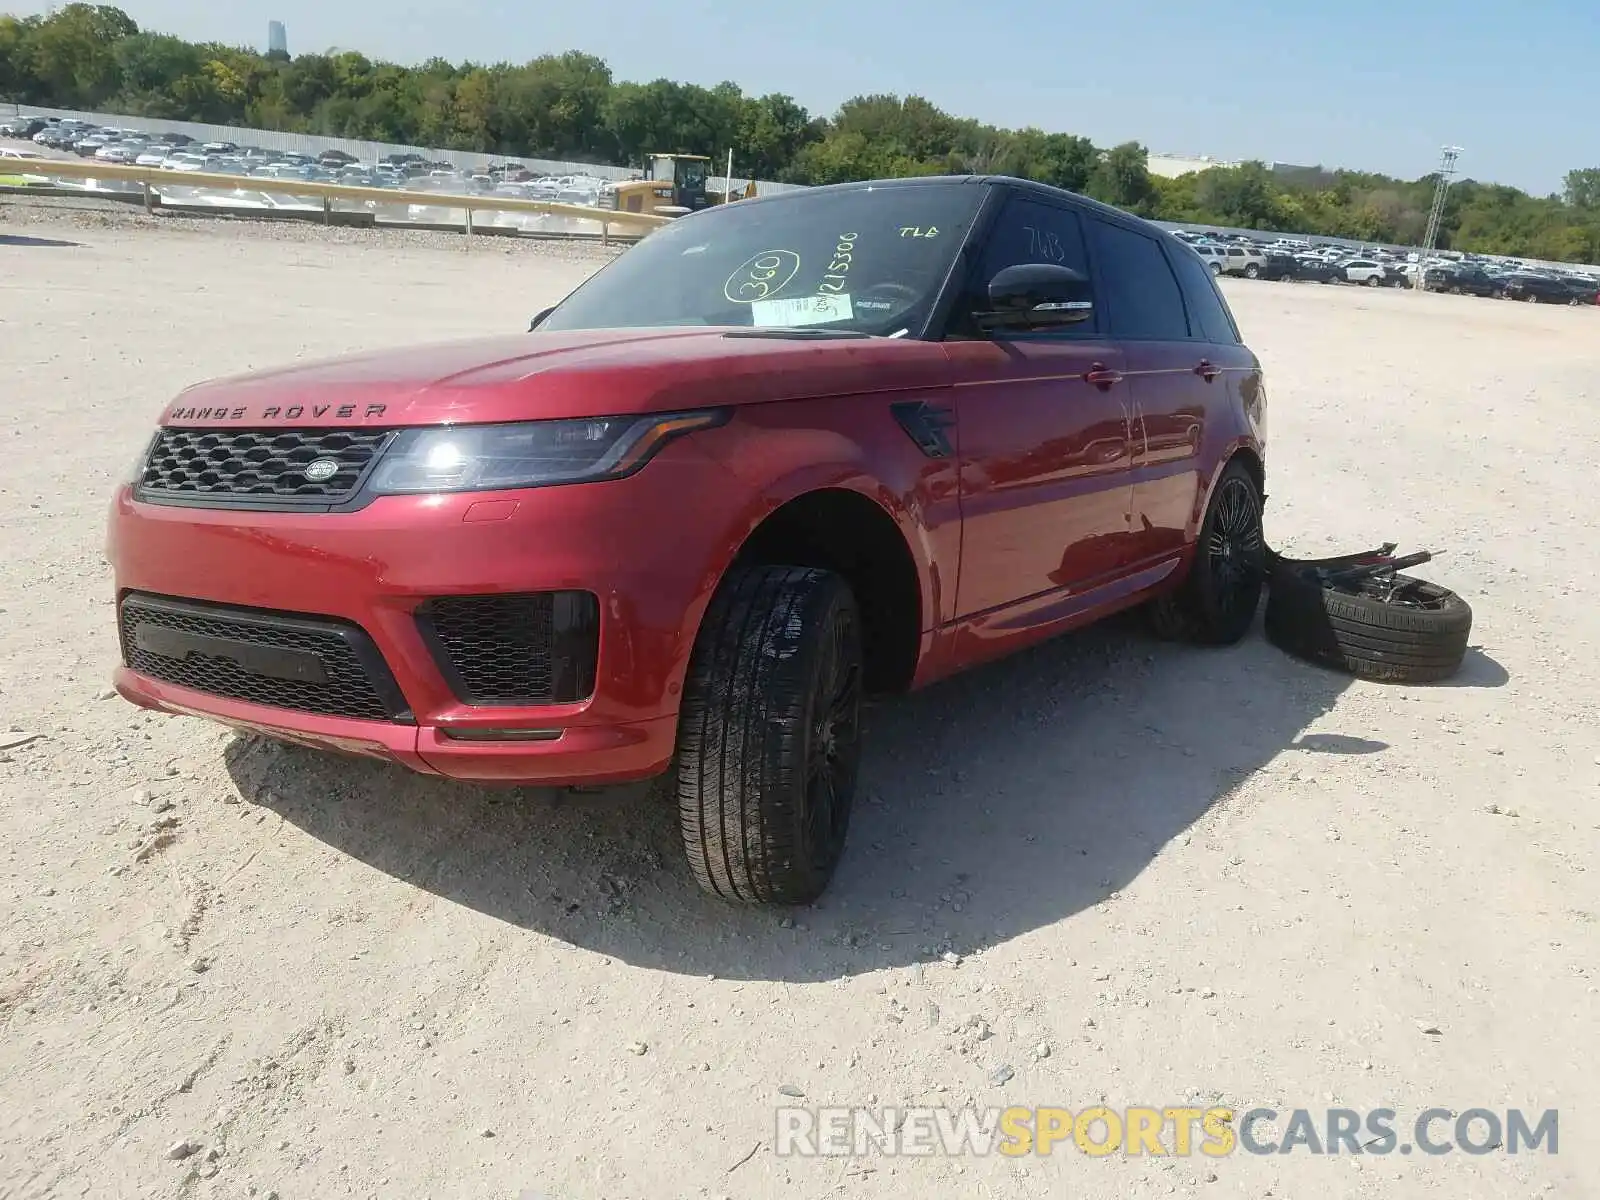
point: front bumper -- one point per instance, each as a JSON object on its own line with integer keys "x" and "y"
{"x": 649, "y": 548}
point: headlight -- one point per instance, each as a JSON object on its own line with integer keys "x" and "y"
{"x": 480, "y": 458}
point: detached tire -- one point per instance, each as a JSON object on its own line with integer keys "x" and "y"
{"x": 1217, "y": 601}
{"x": 1422, "y": 641}
{"x": 769, "y": 735}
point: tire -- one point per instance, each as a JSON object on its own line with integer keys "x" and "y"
{"x": 1214, "y": 268}
{"x": 1364, "y": 635}
{"x": 1216, "y": 603}
{"x": 1372, "y": 281}
{"x": 1251, "y": 271}
{"x": 772, "y": 696}
{"x": 1532, "y": 298}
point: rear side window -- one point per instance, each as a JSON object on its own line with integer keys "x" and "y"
{"x": 1208, "y": 313}
{"x": 1137, "y": 286}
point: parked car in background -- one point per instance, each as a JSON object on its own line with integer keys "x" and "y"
{"x": 1364, "y": 271}
{"x": 22, "y": 128}
{"x": 1461, "y": 279}
{"x": 1538, "y": 288}
{"x": 1316, "y": 269}
{"x": 1585, "y": 289}
{"x": 1282, "y": 265}
{"x": 1244, "y": 259}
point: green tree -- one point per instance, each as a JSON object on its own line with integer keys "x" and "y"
{"x": 1122, "y": 178}
{"x": 568, "y": 106}
{"x": 1582, "y": 188}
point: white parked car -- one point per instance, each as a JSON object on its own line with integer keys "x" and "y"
{"x": 1243, "y": 260}
{"x": 1214, "y": 257}
{"x": 1364, "y": 270}
{"x": 184, "y": 162}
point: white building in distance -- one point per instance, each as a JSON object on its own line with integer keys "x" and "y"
{"x": 277, "y": 38}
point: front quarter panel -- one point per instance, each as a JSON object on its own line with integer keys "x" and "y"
{"x": 783, "y": 451}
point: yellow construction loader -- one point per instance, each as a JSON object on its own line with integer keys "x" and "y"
{"x": 672, "y": 186}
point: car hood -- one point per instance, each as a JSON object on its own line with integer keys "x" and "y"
{"x": 534, "y": 376}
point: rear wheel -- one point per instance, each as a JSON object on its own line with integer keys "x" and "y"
{"x": 1372, "y": 281}
{"x": 1251, "y": 271}
{"x": 769, "y": 735}
{"x": 1217, "y": 601}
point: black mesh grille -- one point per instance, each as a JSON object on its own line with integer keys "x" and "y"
{"x": 259, "y": 464}
{"x": 527, "y": 648}
{"x": 307, "y": 664}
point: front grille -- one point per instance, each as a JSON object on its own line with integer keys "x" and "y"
{"x": 308, "y": 664}
{"x": 258, "y": 466}
{"x": 526, "y": 648}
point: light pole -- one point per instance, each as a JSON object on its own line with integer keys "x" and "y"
{"x": 1447, "y": 169}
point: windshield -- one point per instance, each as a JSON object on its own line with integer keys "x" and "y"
{"x": 868, "y": 260}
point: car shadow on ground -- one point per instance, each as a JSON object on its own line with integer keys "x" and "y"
{"x": 18, "y": 239}
{"x": 1001, "y": 801}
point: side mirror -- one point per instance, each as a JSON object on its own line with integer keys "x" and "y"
{"x": 1037, "y": 296}
{"x": 538, "y": 317}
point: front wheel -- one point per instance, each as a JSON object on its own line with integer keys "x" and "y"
{"x": 1372, "y": 281}
{"x": 769, "y": 735}
{"x": 1217, "y": 601}
{"x": 1216, "y": 268}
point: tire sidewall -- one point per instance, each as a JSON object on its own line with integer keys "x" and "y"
{"x": 1220, "y": 627}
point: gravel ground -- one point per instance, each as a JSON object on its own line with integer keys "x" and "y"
{"x": 1108, "y": 871}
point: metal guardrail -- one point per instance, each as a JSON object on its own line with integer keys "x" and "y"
{"x": 154, "y": 181}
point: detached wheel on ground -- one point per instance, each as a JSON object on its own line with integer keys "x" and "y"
{"x": 1402, "y": 630}
{"x": 1218, "y": 599}
{"x": 769, "y": 735}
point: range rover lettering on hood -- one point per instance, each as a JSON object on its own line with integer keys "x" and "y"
{"x": 281, "y": 412}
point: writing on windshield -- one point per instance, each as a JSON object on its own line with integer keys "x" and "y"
{"x": 866, "y": 259}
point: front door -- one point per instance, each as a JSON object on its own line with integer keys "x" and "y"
{"x": 1044, "y": 436}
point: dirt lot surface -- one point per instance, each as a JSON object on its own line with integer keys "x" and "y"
{"x": 1109, "y": 871}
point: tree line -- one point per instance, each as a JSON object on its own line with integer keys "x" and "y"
{"x": 570, "y": 107}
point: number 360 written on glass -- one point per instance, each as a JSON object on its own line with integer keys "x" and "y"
{"x": 761, "y": 276}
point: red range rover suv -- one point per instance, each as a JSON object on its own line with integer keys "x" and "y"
{"x": 784, "y": 452}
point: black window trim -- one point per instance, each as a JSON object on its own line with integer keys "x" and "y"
{"x": 960, "y": 281}
{"x": 1210, "y": 281}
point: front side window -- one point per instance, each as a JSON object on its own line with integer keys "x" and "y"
{"x": 1028, "y": 231}
{"x": 867, "y": 260}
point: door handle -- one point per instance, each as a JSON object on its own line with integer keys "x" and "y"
{"x": 1102, "y": 376}
{"x": 1207, "y": 370}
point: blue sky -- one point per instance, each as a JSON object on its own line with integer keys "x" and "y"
{"x": 1373, "y": 84}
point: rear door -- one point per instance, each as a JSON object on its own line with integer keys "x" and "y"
{"x": 1175, "y": 387}
{"x": 1044, "y": 450}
